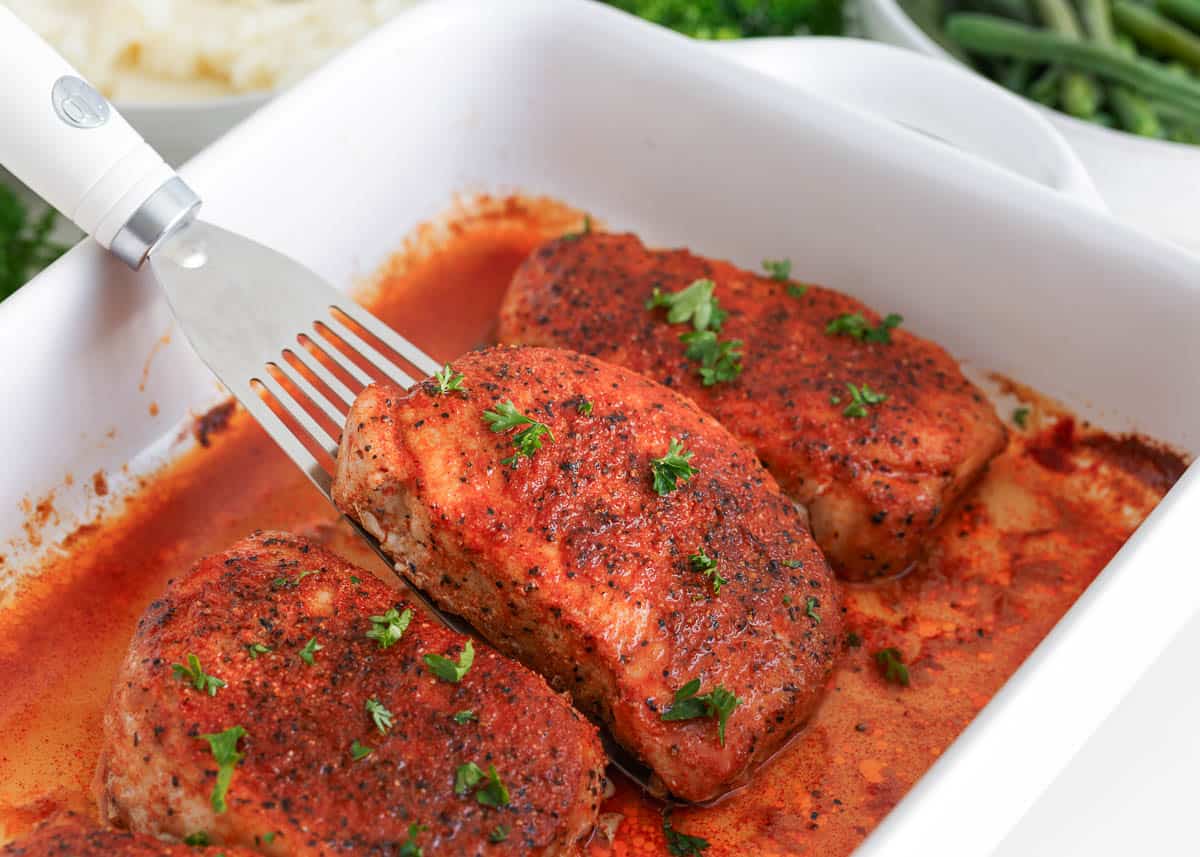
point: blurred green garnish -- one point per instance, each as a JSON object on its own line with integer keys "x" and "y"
{"x": 25, "y": 245}
{"x": 735, "y": 19}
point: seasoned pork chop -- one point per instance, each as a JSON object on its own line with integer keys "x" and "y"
{"x": 351, "y": 743}
{"x": 875, "y": 476}
{"x": 594, "y": 565}
{"x": 68, "y": 834}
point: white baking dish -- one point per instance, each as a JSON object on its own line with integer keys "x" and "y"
{"x": 656, "y": 134}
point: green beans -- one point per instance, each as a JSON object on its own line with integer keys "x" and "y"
{"x": 1097, "y": 20}
{"x": 991, "y": 36}
{"x": 1134, "y": 112}
{"x": 1079, "y": 94}
{"x": 1186, "y": 12}
{"x": 1154, "y": 31}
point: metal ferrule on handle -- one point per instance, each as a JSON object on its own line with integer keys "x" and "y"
{"x": 64, "y": 140}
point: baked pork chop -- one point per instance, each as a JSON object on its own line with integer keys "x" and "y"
{"x": 610, "y": 535}
{"x": 874, "y": 429}
{"x": 278, "y": 696}
{"x": 68, "y": 834}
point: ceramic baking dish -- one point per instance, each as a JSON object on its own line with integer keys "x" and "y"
{"x": 656, "y": 134}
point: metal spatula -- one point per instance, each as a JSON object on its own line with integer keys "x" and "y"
{"x": 292, "y": 349}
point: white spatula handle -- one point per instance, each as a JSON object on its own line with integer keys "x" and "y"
{"x": 64, "y": 140}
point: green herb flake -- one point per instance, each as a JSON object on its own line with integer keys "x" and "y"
{"x": 358, "y": 751}
{"x": 268, "y": 838}
{"x": 689, "y": 704}
{"x": 380, "y": 716}
{"x": 494, "y": 793}
{"x": 682, "y": 844}
{"x": 409, "y": 847}
{"x": 354, "y": 578}
{"x": 224, "y": 750}
{"x": 672, "y": 468}
{"x": 466, "y": 777}
{"x": 293, "y": 582}
{"x": 585, "y": 230}
{"x": 198, "y": 839}
{"x": 310, "y": 649}
{"x": 194, "y": 674}
{"x": 810, "y": 609}
{"x": 854, "y": 640}
{"x": 702, "y": 563}
{"x": 584, "y": 408}
{"x": 719, "y": 361}
{"x": 861, "y": 398}
{"x": 1020, "y": 417}
{"x": 797, "y": 290}
{"x": 855, "y": 326}
{"x": 448, "y": 381}
{"x": 892, "y": 666}
{"x": 390, "y": 627}
{"x": 787, "y": 601}
{"x": 448, "y": 670}
{"x": 794, "y": 563}
{"x": 527, "y": 441}
{"x": 499, "y": 833}
{"x": 778, "y": 269}
{"x": 257, "y": 650}
{"x": 465, "y": 716}
{"x": 694, "y": 304}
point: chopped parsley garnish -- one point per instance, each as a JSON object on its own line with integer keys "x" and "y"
{"x": 268, "y": 838}
{"x": 704, "y": 564}
{"x": 224, "y": 750}
{"x": 797, "y": 290}
{"x": 854, "y": 640}
{"x": 1020, "y": 416}
{"x": 682, "y": 844}
{"x": 585, "y": 230}
{"x": 528, "y": 440}
{"x": 891, "y": 665}
{"x": 857, "y": 327}
{"x": 390, "y": 627}
{"x": 195, "y": 675}
{"x": 787, "y": 601}
{"x": 198, "y": 839}
{"x": 255, "y": 650}
{"x": 448, "y": 381}
{"x": 354, "y": 578}
{"x": 718, "y": 703}
{"x": 499, "y": 833}
{"x": 494, "y": 793}
{"x": 409, "y": 847}
{"x": 672, "y": 468}
{"x": 465, "y": 716}
{"x": 358, "y": 751}
{"x": 861, "y": 398}
{"x": 293, "y": 582}
{"x": 694, "y": 303}
{"x": 584, "y": 408}
{"x": 448, "y": 670}
{"x": 719, "y": 361}
{"x": 380, "y": 715}
{"x": 310, "y": 649}
{"x": 466, "y": 777}
{"x": 794, "y": 563}
{"x": 810, "y": 609}
{"x": 778, "y": 269}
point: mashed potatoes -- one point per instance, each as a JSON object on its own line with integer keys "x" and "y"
{"x": 171, "y": 50}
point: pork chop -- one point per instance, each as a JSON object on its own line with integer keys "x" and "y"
{"x": 876, "y": 474}
{"x": 278, "y": 696}
{"x": 67, "y": 834}
{"x": 610, "y": 535}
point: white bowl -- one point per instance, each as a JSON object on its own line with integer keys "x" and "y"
{"x": 180, "y": 129}
{"x": 1152, "y": 184}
